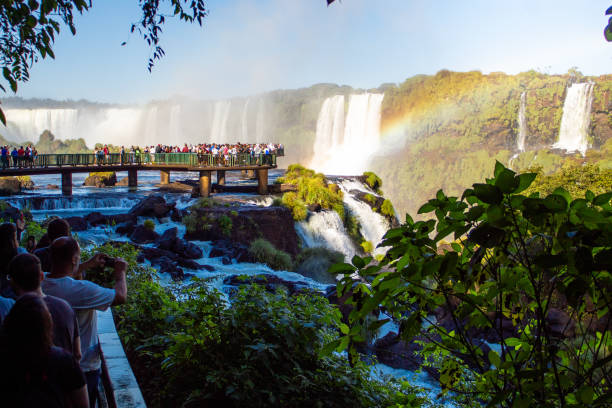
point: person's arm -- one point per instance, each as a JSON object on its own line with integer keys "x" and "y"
{"x": 120, "y": 283}
{"x": 78, "y": 398}
{"x": 95, "y": 261}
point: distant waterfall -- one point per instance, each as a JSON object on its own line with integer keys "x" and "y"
{"x": 522, "y": 122}
{"x": 325, "y": 229}
{"x": 219, "y": 125}
{"x": 576, "y": 118}
{"x": 245, "y": 122}
{"x": 175, "y": 125}
{"x": 373, "y": 225}
{"x": 344, "y": 146}
{"x": 259, "y": 124}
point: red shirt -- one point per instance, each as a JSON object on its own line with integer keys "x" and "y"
{"x": 20, "y": 152}
{"x": 185, "y": 149}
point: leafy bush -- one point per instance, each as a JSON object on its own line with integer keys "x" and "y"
{"x": 577, "y": 180}
{"x": 312, "y": 188}
{"x": 264, "y": 252}
{"x": 225, "y": 224}
{"x": 370, "y": 198}
{"x": 521, "y": 265}
{"x": 149, "y": 224}
{"x": 262, "y": 351}
{"x": 367, "y": 247}
{"x": 277, "y": 202}
{"x": 205, "y": 202}
{"x": 373, "y": 181}
{"x": 104, "y": 276}
{"x": 34, "y": 229}
{"x": 387, "y": 209}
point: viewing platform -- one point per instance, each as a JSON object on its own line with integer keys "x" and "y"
{"x": 205, "y": 164}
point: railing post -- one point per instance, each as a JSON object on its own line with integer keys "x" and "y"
{"x": 132, "y": 179}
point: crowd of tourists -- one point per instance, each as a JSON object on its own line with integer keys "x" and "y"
{"x": 49, "y": 348}
{"x": 18, "y": 156}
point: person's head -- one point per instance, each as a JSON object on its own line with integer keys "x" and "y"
{"x": 65, "y": 256}
{"x": 28, "y": 329}
{"x": 25, "y": 273}
{"x": 8, "y": 236}
{"x": 58, "y": 228}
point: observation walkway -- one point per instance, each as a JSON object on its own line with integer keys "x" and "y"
{"x": 205, "y": 164}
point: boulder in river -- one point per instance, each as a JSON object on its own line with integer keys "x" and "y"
{"x": 101, "y": 179}
{"x": 96, "y": 218}
{"x": 170, "y": 241}
{"x": 143, "y": 235}
{"x": 77, "y": 223}
{"x": 151, "y": 206}
{"x": 9, "y": 186}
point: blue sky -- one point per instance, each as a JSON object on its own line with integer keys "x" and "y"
{"x": 251, "y": 46}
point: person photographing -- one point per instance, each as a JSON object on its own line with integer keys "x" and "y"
{"x": 66, "y": 281}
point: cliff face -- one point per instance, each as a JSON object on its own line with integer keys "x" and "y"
{"x": 446, "y": 131}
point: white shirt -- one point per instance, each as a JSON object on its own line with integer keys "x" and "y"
{"x": 85, "y": 297}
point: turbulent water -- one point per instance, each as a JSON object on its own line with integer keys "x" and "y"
{"x": 325, "y": 229}
{"x": 522, "y": 122}
{"x": 576, "y": 118}
{"x": 344, "y": 144}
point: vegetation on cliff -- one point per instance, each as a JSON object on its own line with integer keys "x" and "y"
{"x": 528, "y": 273}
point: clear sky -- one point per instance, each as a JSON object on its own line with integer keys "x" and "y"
{"x": 251, "y": 46}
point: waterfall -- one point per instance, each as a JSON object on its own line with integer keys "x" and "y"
{"x": 576, "y": 118}
{"x": 219, "y": 124}
{"x": 373, "y": 225}
{"x": 344, "y": 146}
{"x": 522, "y": 122}
{"x": 325, "y": 228}
{"x": 259, "y": 123}
{"x": 245, "y": 122}
{"x": 42, "y": 203}
{"x": 174, "y": 125}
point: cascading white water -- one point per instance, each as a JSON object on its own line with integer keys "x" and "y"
{"x": 175, "y": 125}
{"x": 219, "y": 125}
{"x": 373, "y": 225}
{"x": 245, "y": 122}
{"x": 576, "y": 118}
{"x": 522, "y": 122}
{"x": 72, "y": 203}
{"x": 259, "y": 123}
{"x": 347, "y": 152}
{"x": 325, "y": 229}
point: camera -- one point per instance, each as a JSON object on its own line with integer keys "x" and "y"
{"x": 109, "y": 262}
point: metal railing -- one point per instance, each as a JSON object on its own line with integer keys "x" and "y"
{"x": 129, "y": 159}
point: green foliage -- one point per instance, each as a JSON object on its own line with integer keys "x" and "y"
{"x": 262, "y": 351}
{"x": 149, "y": 224}
{"x": 225, "y": 224}
{"x": 387, "y": 209}
{"x": 370, "y": 198}
{"x": 32, "y": 228}
{"x": 205, "y": 202}
{"x": 190, "y": 221}
{"x": 47, "y": 143}
{"x": 104, "y": 276}
{"x": 367, "y": 247}
{"x": 517, "y": 261}
{"x": 264, "y": 252}
{"x": 351, "y": 223}
{"x": 577, "y": 180}
{"x": 277, "y": 202}
{"x": 312, "y": 188}
{"x": 373, "y": 181}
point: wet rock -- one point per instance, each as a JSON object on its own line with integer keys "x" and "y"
{"x": 143, "y": 235}
{"x": 152, "y": 253}
{"x": 152, "y": 206}
{"x": 208, "y": 268}
{"x": 101, "y": 179}
{"x": 314, "y": 207}
{"x": 9, "y": 186}
{"x": 52, "y": 187}
{"x": 170, "y": 241}
{"x": 77, "y": 223}
{"x": 560, "y": 324}
{"x": 226, "y": 260}
{"x": 124, "y": 182}
{"x": 96, "y": 218}
{"x": 121, "y": 218}
{"x": 396, "y": 353}
{"x": 176, "y": 215}
{"x": 125, "y": 228}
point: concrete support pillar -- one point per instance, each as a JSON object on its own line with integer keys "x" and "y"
{"x": 67, "y": 183}
{"x": 221, "y": 177}
{"x": 165, "y": 176}
{"x": 262, "y": 181}
{"x": 132, "y": 178}
{"x": 205, "y": 184}
{"x": 251, "y": 174}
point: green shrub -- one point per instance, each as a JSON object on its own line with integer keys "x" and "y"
{"x": 296, "y": 205}
{"x": 205, "y": 202}
{"x": 34, "y": 229}
{"x": 277, "y": 202}
{"x": 264, "y": 252}
{"x": 370, "y": 198}
{"x": 387, "y": 209}
{"x": 234, "y": 213}
{"x": 367, "y": 247}
{"x": 149, "y": 224}
{"x": 190, "y": 221}
{"x": 225, "y": 224}
{"x": 520, "y": 262}
{"x": 373, "y": 181}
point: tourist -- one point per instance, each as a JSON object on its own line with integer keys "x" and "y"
{"x": 34, "y": 372}
{"x": 5, "y": 157}
{"x": 31, "y": 244}
{"x": 5, "y": 307}
{"x": 66, "y": 281}
{"x": 58, "y": 227}
{"x": 9, "y": 248}
{"x": 25, "y": 277}
{"x": 15, "y": 156}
